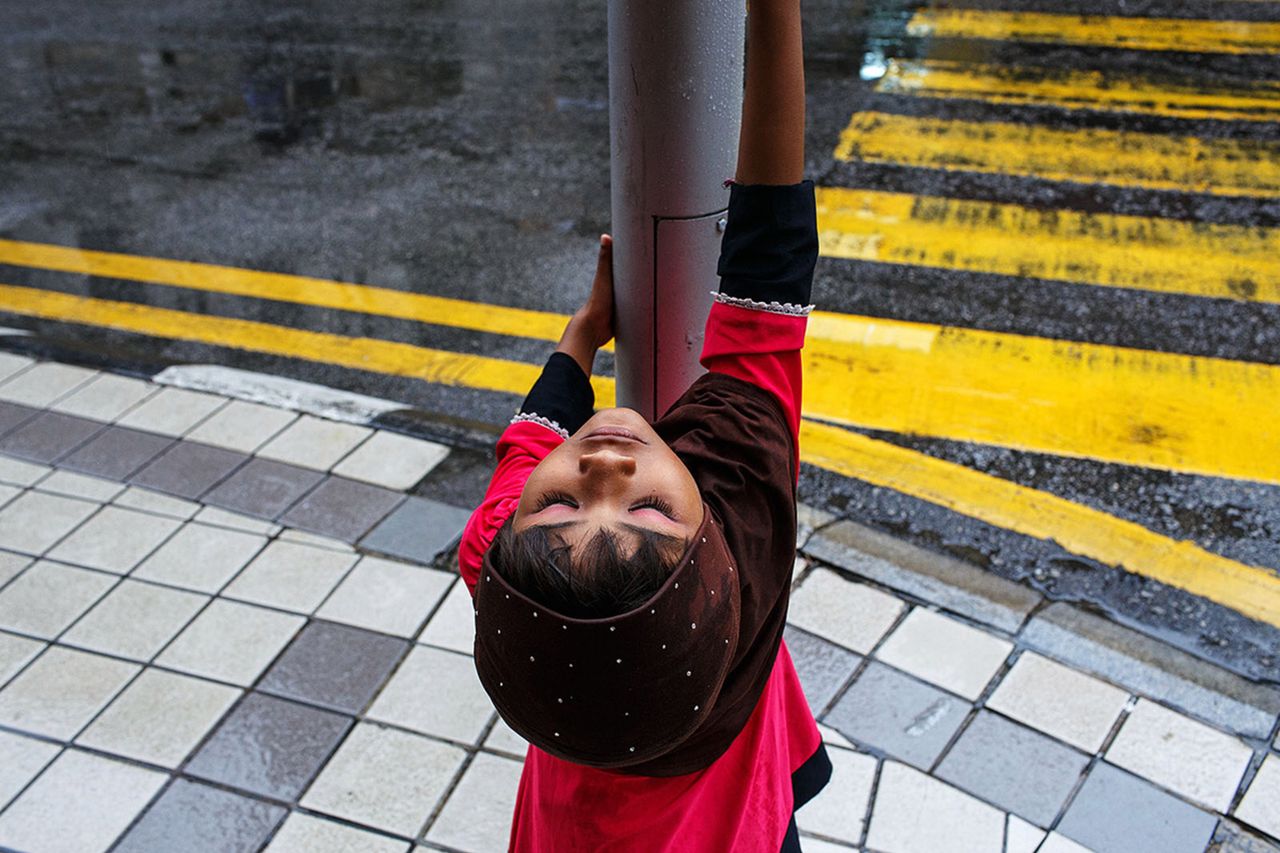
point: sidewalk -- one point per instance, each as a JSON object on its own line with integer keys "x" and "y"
{"x": 226, "y": 620}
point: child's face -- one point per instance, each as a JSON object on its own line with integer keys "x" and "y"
{"x": 617, "y": 474}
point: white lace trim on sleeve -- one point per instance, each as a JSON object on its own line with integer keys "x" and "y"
{"x": 771, "y": 307}
{"x": 533, "y": 418}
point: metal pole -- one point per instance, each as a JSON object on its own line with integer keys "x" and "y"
{"x": 675, "y": 103}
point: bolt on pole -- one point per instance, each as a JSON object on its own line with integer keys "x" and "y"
{"x": 675, "y": 104}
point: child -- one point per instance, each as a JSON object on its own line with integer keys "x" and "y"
{"x": 631, "y": 580}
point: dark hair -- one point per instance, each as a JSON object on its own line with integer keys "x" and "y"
{"x": 597, "y": 582}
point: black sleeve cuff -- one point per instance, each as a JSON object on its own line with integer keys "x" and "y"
{"x": 770, "y": 244}
{"x": 562, "y": 393}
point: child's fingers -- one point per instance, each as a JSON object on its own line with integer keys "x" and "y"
{"x": 604, "y": 262}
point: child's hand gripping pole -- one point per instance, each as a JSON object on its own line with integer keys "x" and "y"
{"x": 592, "y": 325}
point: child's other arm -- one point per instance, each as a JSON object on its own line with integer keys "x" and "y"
{"x": 771, "y": 141}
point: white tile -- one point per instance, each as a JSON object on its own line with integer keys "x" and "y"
{"x": 453, "y": 626}
{"x": 302, "y": 833}
{"x": 831, "y": 737}
{"x": 156, "y": 502}
{"x": 91, "y": 800}
{"x": 115, "y": 540}
{"x": 21, "y": 758}
{"x": 231, "y": 642}
{"x": 291, "y": 576}
{"x": 851, "y": 614}
{"x": 945, "y": 652}
{"x": 34, "y": 521}
{"x": 915, "y": 813}
{"x": 135, "y": 620}
{"x": 385, "y": 596}
{"x": 391, "y": 460}
{"x": 201, "y": 557}
{"x": 8, "y": 493}
{"x": 11, "y": 565}
{"x": 172, "y": 411}
{"x": 242, "y": 426}
{"x": 1056, "y": 843}
{"x": 105, "y": 398}
{"x": 12, "y": 363}
{"x": 48, "y": 597}
{"x": 1181, "y": 754}
{"x": 159, "y": 718}
{"x": 477, "y": 817}
{"x": 1059, "y": 701}
{"x": 816, "y": 845}
{"x": 223, "y": 518}
{"x": 385, "y": 778}
{"x": 312, "y": 539}
{"x": 61, "y": 691}
{"x": 436, "y": 693}
{"x": 44, "y": 383}
{"x": 20, "y": 473}
{"x": 504, "y": 739}
{"x": 314, "y": 443}
{"x": 80, "y": 486}
{"x": 1022, "y": 837}
{"x": 1261, "y": 804}
{"x": 15, "y": 652}
{"x": 838, "y": 810}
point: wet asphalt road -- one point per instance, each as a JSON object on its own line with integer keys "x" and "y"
{"x": 461, "y": 149}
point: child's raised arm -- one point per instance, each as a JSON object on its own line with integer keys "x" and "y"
{"x": 771, "y": 142}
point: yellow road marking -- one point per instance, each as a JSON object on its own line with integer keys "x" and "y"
{"x": 1174, "y": 34}
{"x": 1076, "y": 89}
{"x": 1251, "y": 590}
{"x": 1231, "y": 167}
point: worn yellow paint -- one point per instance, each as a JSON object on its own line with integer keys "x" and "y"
{"x": 1172, "y": 34}
{"x": 391, "y": 357}
{"x": 1077, "y": 89}
{"x": 1146, "y": 253}
{"x": 1080, "y": 529}
{"x": 1230, "y": 167}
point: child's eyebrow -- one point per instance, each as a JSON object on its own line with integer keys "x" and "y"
{"x": 664, "y": 538}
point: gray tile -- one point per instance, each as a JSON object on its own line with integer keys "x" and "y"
{"x": 823, "y": 667}
{"x": 892, "y": 712}
{"x": 11, "y": 415}
{"x": 191, "y": 816}
{"x": 189, "y": 469}
{"x": 48, "y": 437}
{"x": 117, "y": 452}
{"x": 336, "y": 666}
{"x": 1115, "y": 812}
{"x": 269, "y": 746}
{"x": 418, "y": 530}
{"x": 263, "y": 488}
{"x": 341, "y": 508}
{"x": 1017, "y": 769}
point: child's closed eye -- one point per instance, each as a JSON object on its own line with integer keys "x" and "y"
{"x": 655, "y": 502}
{"x": 552, "y": 498}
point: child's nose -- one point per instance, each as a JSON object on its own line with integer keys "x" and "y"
{"x": 606, "y": 461}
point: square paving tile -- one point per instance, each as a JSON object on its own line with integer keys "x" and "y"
{"x": 200, "y": 557}
{"x": 188, "y": 469}
{"x": 116, "y": 453}
{"x": 897, "y": 714}
{"x": 136, "y": 497}
{"x": 114, "y": 540}
{"x": 89, "y": 799}
{"x": 418, "y": 530}
{"x": 335, "y": 666}
{"x": 48, "y": 597}
{"x": 290, "y": 535}
{"x": 231, "y": 642}
{"x": 48, "y": 437}
{"x": 453, "y": 625}
{"x": 269, "y": 746}
{"x": 11, "y": 364}
{"x": 314, "y": 442}
{"x": 19, "y": 472}
{"x": 62, "y": 482}
{"x": 1018, "y": 769}
{"x": 1115, "y": 812}
{"x": 15, "y": 653}
{"x": 135, "y": 620}
{"x": 1259, "y": 806}
{"x": 503, "y": 738}
{"x": 391, "y": 460}
{"x": 914, "y": 812}
{"x": 1181, "y": 754}
{"x": 845, "y": 612}
{"x": 1022, "y": 837}
{"x": 45, "y": 382}
{"x": 172, "y": 411}
{"x": 11, "y": 565}
{"x": 241, "y": 425}
{"x": 61, "y": 691}
{"x": 106, "y": 397}
{"x": 341, "y": 508}
{"x": 385, "y": 778}
{"x": 839, "y": 809}
{"x": 159, "y": 718}
{"x": 291, "y": 576}
{"x": 303, "y": 833}
{"x": 21, "y": 758}
{"x": 8, "y": 493}
{"x": 478, "y": 813}
{"x": 945, "y": 652}
{"x": 236, "y": 521}
{"x": 823, "y": 667}
{"x": 32, "y": 522}
{"x": 263, "y": 488}
{"x": 437, "y": 693}
{"x": 380, "y": 595}
{"x": 189, "y": 815}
